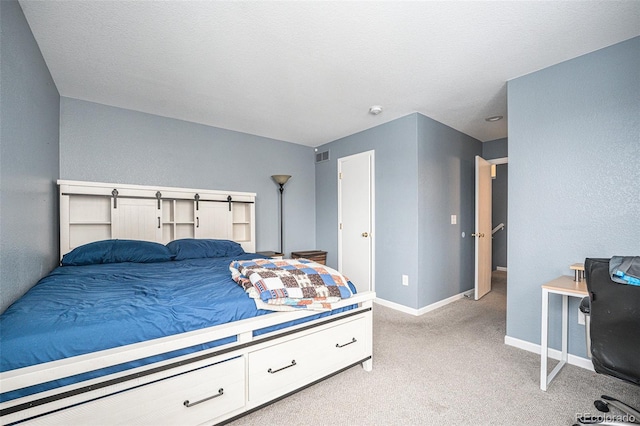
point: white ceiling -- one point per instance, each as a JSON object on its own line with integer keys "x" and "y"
{"x": 307, "y": 72}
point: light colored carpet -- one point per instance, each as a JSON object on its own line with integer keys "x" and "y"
{"x": 447, "y": 367}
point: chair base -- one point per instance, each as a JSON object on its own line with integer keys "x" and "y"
{"x": 630, "y": 416}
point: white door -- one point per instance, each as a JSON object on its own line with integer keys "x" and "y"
{"x": 482, "y": 232}
{"x": 136, "y": 219}
{"x": 356, "y": 219}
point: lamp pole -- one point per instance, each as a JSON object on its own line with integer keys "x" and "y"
{"x": 281, "y": 180}
{"x": 281, "y": 220}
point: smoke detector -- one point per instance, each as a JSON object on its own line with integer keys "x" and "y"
{"x": 375, "y": 110}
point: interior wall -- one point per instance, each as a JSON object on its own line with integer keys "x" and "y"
{"x": 500, "y": 214}
{"x": 108, "y": 144}
{"x": 573, "y": 184}
{"x": 446, "y": 186}
{"x": 29, "y": 124}
{"x": 424, "y": 172}
{"x": 497, "y": 148}
{"x": 396, "y": 198}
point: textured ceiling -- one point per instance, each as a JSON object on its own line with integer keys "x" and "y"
{"x": 307, "y": 72}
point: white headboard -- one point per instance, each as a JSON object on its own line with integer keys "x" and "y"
{"x": 93, "y": 211}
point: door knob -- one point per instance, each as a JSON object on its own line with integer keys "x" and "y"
{"x": 479, "y": 234}
{"x": 365, "y": 234}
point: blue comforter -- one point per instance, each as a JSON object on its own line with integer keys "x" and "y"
{"x": 77, "y": 310}
{"x": 80, "y": 309}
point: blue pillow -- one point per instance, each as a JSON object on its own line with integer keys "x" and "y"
{"x": 117, "y": 251}
{"x": 191, "y": 248}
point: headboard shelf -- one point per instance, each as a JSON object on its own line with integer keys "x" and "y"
{"x": 93, "y": 211}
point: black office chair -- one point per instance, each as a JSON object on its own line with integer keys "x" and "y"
{"x": 613, "y": 311}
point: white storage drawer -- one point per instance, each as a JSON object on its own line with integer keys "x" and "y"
{"x": 346, "y": 345}
{"x": 287, "y": 366}
{"x": 163, "y": 402}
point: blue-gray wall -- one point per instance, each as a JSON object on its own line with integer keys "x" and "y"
{"x": 396, "y": 204}
{"x": 424, "y": 172}
{"x": 29, "y": 115}
{"x": 499, "y": 214}
{"x": 499, "y": 200}
{"x": 574, "y": 184}
{"x": 446, "y": 186}
{"x": 498, "y": 148}
{"x": 108, "y": 144}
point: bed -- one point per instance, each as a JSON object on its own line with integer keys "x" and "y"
{"x": 162, "y": 338}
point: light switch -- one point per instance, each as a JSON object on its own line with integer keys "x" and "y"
{"x": 454, "y": 219}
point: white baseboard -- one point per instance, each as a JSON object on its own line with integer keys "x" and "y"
{"x": 553, "y": 353}
{"x": 501, "y": 268}
{"x": 423, "y": 310}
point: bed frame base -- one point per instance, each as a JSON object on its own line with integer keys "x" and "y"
{"x": 248, "y": 371}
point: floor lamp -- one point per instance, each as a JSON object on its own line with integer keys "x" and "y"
{"x": 281, "y": 180}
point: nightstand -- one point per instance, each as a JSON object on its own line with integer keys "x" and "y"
{"x": 317, "y": 256}
{"x": 271, "y": 254}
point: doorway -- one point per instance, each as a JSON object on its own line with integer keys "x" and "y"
{"x": 493, "y": 264}
{"x": 356, "y": 219}
{"x": 482, "y": 235}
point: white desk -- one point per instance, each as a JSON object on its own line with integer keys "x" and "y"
{"x": 564, "y": 286}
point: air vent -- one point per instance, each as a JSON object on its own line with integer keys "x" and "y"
{"x": 322, "y": 156}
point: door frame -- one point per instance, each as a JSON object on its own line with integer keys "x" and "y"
{"x": 372, "y": 211}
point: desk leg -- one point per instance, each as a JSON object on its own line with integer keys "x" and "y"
{"x": 544, "y": 349}
{"x": 565, "y": 328}
{"x": 544, "y": 341}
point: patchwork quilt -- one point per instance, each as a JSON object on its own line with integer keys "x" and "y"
{"x": 290, "y": 284}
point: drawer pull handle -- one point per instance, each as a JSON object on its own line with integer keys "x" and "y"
{"x": 283, "y": 368}
{"x": 353, "y": 340}
{"x": 191, "y": 404}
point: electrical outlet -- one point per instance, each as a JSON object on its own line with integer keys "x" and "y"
{"x": 454, "y": 219}
{"x": 405, "y": 280}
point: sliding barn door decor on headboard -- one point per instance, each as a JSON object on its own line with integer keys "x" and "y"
{"x": 92, "y": 211}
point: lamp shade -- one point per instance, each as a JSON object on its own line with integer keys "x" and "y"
{"x": 280, "y": 179}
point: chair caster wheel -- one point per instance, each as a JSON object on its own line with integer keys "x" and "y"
{"x": 601, "y": 406}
